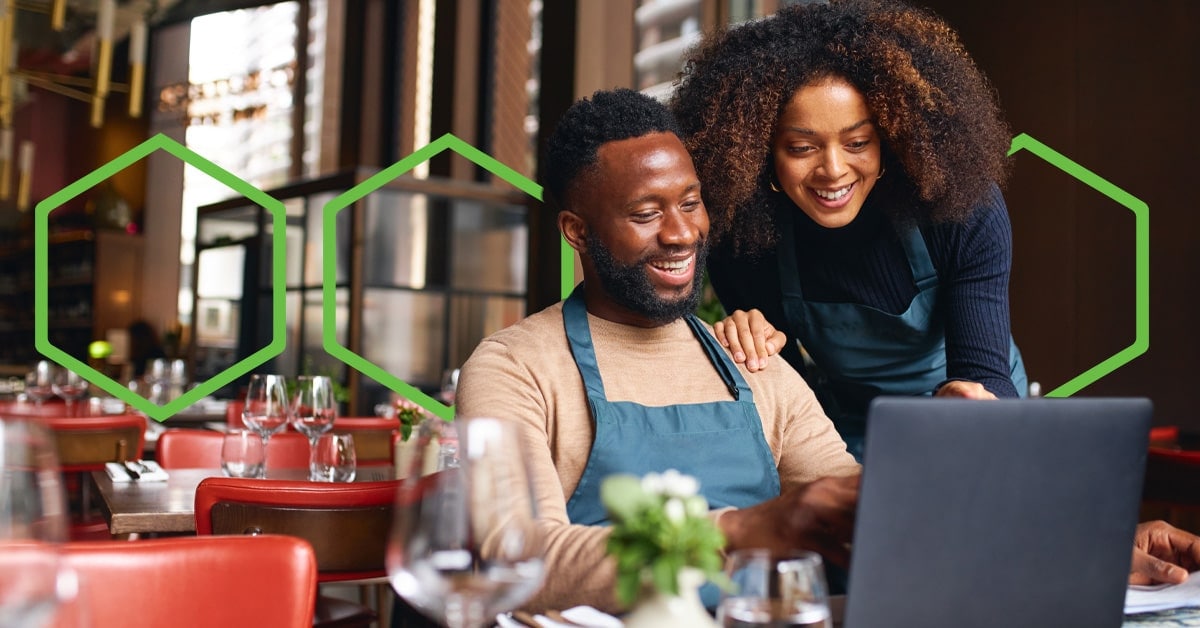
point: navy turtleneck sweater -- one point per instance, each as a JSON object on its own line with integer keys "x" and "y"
{"x": 864, "y": 263}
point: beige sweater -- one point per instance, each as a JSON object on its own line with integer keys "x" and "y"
{"x": 526, "y": 373}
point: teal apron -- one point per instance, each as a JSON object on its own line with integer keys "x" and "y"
{"x": 720, "y": 443}
{"x": 862, "y": 352}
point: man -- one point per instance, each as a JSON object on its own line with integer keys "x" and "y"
{"x": 661, "y": 388}
{"x": 621, "y": 378}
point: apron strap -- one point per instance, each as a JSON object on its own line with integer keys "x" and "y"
{"x": 716, "y": 355}
{"x": 579, "y": 337}
{"x": 789, "y": 273}
{"x": 919, "y": 262}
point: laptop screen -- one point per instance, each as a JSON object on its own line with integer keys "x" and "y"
{"x": 997, "y": 513}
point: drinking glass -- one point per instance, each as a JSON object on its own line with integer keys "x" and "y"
{"x": 313, "y": 408}
{"x": 266, "y": 410}
{"x": 32, "y": 525}
{"x": 333, "y": 459}
{"x": 243, "y": 454}
{"x": 449, "y": 386}
{"x": 39, "y": 383}
{"x": 775, "y": 590}
{"x": 70, "y": 386}
{"x": 464, "y": 544}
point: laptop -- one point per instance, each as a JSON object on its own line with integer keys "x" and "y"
{"x": 1000, "y": 513}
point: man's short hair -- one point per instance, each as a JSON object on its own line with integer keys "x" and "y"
{"x": 608, "y": 116}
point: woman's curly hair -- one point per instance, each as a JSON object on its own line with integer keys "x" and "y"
{"x": 939, "y": 118}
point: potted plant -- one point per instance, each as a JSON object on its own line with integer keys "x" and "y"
{"x": 665, "y": 547}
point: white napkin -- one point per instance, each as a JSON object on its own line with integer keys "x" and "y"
{"x": 1158, "y": 597}
{"x": 147, "y": 470}
{"x": 581, "y": 615}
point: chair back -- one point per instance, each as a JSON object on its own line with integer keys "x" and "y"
{"x": 86, "y": 443}
{"x": 1172, "y": 486}
{"x": 348, "y": 525}
{"x": 264, "y": 581}
{"x": 182, "y": 448}
{"x": 372, "y": 437}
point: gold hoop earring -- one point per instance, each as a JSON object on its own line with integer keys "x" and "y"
{"x": 880, "y": 175}
{"x": 774, "y": 188}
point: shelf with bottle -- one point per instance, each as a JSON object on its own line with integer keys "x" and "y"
{"x": 85, "y": 268}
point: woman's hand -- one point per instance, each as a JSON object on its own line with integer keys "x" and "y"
{"x": 967, "y": 390}
{"x": 749, "y": 338}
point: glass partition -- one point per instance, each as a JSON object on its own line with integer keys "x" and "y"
{"x": 425, "y": 270}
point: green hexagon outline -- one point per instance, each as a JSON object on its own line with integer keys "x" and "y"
{"x": 41, "y": 285}
{"x": 329, "y": 248}
{"x": 1141, "y": 213}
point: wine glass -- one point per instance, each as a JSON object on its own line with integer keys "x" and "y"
{"x": 70, "y": 386}
{"x": 39, "y": 383}
{"x": 465, "y": 543}
{"x": 775, "y": 590}
{"x": 32, "y": 525}
{"x": 266, "y": 410}
{"x": 313, "y": 408}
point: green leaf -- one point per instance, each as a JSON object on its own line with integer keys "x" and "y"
{"x": 665, "y": 573}
{"x": 628, "y": 585}
{"x": 623, "y": 497}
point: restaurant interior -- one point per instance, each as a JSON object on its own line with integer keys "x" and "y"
{"x": 161, "y": 276}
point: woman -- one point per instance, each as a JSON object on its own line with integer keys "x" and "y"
{"x": 851, "y": 154}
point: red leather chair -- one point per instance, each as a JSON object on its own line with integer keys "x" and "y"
{"x": 1171, "y": 490}
{"x": 233, "y": 414}
{"x": 348, "y": 525}
{"x": 28, "y": 409}
{"x": 84, "y": 444}
{"x": 1164, "y": 435}
{"x": 372, "y": 437}
{"x": 182, "y": 448}
{"x": 265, "y": 581}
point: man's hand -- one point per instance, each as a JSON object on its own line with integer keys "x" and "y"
{"x": 749, "y": 338}
{"x": 818, "y": 516}
{"x": 1163, "y": 553}
{"x": 967, "y": 390}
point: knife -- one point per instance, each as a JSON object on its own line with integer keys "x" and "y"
{"x": 133, "y": 475}
{"x": 525, "y": 619}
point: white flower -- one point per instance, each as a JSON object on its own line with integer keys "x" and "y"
{"x": 677, "y": 484}
{"x": 652, "y": 483}
{"x": 674, "y": 510}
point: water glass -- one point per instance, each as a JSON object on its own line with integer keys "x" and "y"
{"x": 33, "y": 523}
{"x": 243, "y": 454}
{"x": 775, "y": 590}
{"x": 333, "y": 459}
{"x": 449, "y": 386}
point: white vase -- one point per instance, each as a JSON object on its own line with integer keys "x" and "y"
{"x": 656, "y": 609}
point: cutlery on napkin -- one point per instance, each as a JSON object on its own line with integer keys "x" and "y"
{"x": 571, "y": 618}
{"x": 135, "y": 471}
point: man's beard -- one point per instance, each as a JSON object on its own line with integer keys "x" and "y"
{"x": 630, "y": 287}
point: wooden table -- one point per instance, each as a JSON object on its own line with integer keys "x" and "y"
{"x": 169, "y": 507}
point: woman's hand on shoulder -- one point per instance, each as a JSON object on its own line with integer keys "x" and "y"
{"x": 749, "y": 338}
{"x": 964, "y": 389}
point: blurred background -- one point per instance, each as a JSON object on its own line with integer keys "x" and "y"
{"x": 306, "y": 98}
